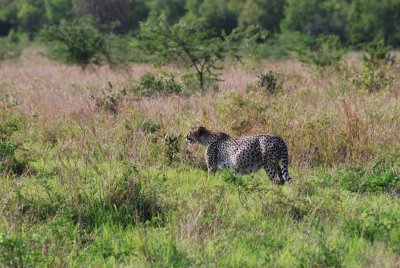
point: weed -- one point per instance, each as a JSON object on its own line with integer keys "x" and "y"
{"x": 9, "y": 49}
{"x": 109, "y": 100}
{"x": 325, "y": 255}
{"x": 79, "y": 43}
{"x": 150, "y": 84}
{"x": 325, "y": 52}
{"x": 172, "y": 145}
{"x": 113, "y": 188}
{"x": 10, "y": 162}
{"x": 377, "y": 54}
{"x": 270, "y": 82}
{"x": 374, "y": 223}
{"x": 230, "y": 177}
{"x": 18, "y": 251}
{"x": 375, "y": 179}
{"x": 371, "y": 78}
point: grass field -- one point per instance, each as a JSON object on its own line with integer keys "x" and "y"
{"x": 92, "y": 175}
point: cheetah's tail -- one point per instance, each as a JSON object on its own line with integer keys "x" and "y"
{"x": 285, "y": 171}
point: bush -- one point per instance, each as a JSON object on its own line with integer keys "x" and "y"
{"x": 16, "y": 251}
{"x": 374, "y": 223}
{"x": 371, "y": 78}
{"x": 316, "y": 17}
{"x": 280, "y": 46}
{"x": 377, "y": 53}
{"x": 77, "y": 43}
{"x": 380, "y": 177}
{"x": 10, "y": 162}
{"x": 326, "y": 255}
{"x": 123, "y": 50}
{"x": 195, "y": 47}
{"x": 326, "y": 51}
{"x": 9, "y": 49}
{"x": 150, "y": 84}
{"x": 172, "y": 144}
{"x": 368, "y": 20}
{"x": 109, "y": 100}
{"x": 270, "y": 82}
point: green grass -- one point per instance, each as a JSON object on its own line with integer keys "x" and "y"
{"x": 183, "y": 216}
{"x": 93, "y": 188}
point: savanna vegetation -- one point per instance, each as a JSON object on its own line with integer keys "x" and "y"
{"x": 96, "y": 98}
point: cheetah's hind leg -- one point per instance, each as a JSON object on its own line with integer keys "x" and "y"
{"x": 272, "y": 168}
{"x": 280, "y": 175}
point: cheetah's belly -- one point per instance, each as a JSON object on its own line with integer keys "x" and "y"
{"x": 225, "y": 164}
{"x": 242, "y": 165}
{"x": 249, "y": 166}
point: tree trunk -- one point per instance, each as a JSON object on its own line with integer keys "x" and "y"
{"x": 201, "y": 80}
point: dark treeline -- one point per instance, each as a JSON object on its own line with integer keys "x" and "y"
{"x": 354, "y": 21}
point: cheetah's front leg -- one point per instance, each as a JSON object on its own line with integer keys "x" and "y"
{"x": 211, "y": 158}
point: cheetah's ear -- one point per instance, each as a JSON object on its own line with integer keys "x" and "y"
{"x": 202, "y": 130}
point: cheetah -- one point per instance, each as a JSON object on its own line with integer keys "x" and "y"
{"x": 243, "y": 155}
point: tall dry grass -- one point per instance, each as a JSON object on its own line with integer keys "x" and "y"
{"x": 98, "y": 188}
{"x": 324, "y": 121}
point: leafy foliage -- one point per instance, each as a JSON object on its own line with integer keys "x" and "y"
{"x": 172, "y": 143}
{"x": 270, "y": 82}
{"x": 78, "y": 43}
{"x": 109, "y": 99}
{"x": 266, "y": 13}
{"x": 380, "y": 176}
{"x": 171, "y": 10}
{"x": 193, "y": 46}
{"x": 326, "y": 51}
{"x": 150, "y": 84}
{"x": 11, "y": 162}
{"x": 215, "y": 15}
{"x": 377, "y": 53}
{"x": 371, "y": 78}
{"x": 9, "y": 49}
{"x": 316, "y": 17}
{"x": 370, "y": 20}
{"x": 19, "y": 251}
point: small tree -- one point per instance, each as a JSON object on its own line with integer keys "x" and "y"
{"x": 9, "y": 48}
{"x": 377, "y": 53}
{"x": 79, "y": 43}
{"x": 193, "y": 46}
{"x": 326, "y": 51}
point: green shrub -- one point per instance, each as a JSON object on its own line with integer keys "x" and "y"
{"x": 270, "y": 82}
{"x": 326, "y": 255}
{"x": 229, "y": 176}
{"x": 123, "y": 50}
{"x": 326, "y": 51}
{"x": 376, "y": 63}
{"x": 128, "y": 201}
{"x": 108, "y": 100}
{"x": 11, "y": 160}
{"x": 377, "y": 53}
{"x": 150, "y": 84}
{"x": 77, "y": 43}
{"x": 280, "y": 46}
{"x": 374, "y": 224}
{"x": 9, "y": 48}
{"x": 379, "y": 178}
{"x": 18, "y": 251}
{"x": 172, "y": 144}
{"x": 194, "y": 47}
{"x": 371, "y": 78}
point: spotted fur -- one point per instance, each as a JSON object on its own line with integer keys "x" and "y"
{"x": 243, "y": 154}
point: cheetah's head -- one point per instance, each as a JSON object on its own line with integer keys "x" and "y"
{"x": 198, "y": 135}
